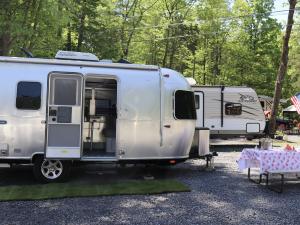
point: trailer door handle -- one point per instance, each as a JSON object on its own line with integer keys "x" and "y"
{"x": 167, "y": 126}
{"x": 2, "y": 122}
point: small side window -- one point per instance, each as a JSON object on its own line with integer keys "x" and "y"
{"x": 233, "y": 109}
{"x": 185, "y": 105}
{"x": 197, "y": 102}
{"x": 28, "y": 95}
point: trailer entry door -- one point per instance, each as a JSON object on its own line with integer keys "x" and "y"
{"x": 199, "y": 105}
{"x": 64, "y": 117}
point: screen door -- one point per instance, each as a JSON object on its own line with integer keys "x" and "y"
{"x": 64, "y": 116}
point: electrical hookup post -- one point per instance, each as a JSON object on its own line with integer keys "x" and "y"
{"x": 201, "y": 148}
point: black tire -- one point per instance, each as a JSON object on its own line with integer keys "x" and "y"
{"x": 55, "y": 175}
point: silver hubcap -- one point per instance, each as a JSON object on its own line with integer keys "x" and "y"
{"x": 51, "y": 169}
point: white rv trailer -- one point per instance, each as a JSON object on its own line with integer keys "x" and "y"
{"x": 76, "y": 108}
{"x": 229, "y": 111}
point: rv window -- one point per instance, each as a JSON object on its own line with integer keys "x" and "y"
{"x": 185, "y": 105}
{"x": 233, "y": 109}
{"x": 28, "y": 95}
{"x": 63, "y": 97}
{"x": 197, "y": 102}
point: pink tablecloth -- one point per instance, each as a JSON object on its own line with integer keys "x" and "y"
{"x": 270, "y": 160}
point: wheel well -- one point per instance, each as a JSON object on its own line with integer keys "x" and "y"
{"x": 36, "y": 156}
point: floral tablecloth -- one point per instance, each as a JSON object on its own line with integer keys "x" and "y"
{"x": 276, "y": 160}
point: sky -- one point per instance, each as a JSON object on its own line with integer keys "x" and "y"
{"x": 281, "y": 5}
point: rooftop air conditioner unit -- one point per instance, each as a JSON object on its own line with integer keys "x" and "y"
{"x": 82, "y": 56}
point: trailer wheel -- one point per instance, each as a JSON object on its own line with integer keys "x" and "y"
{"x": 50, "y": 171}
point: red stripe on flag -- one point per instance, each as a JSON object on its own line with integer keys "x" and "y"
{"x": 296, "y": 103}
{"x": 297, "y": 108}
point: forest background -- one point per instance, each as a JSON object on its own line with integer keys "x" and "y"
{"x": 218, "y": 42}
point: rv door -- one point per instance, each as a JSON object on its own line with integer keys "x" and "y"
{"x": 64, "y": 116}
{"x": 199, "y": 104}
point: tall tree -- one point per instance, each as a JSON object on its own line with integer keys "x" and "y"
{"x": 283, "y": 66}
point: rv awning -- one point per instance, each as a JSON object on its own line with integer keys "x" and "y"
{"x": 291, "y": 108}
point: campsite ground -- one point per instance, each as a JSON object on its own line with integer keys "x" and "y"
{"x": 223, "y": 196}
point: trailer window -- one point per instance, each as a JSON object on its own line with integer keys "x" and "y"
{"x": 197, "y": 102}
{"x": 233, "y": 109}
{"x": 28, "y": 95}
{"x": 65, "y": 91}
{"x": 185, "y": 105}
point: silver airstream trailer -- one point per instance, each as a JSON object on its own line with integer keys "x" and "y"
{"x": 76, "y": 108}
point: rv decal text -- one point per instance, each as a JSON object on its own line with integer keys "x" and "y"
{"x": 247, "y": 98}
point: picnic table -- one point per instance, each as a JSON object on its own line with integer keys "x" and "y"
{"x": 274, "y": 161}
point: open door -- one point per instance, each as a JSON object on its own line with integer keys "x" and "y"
{"x": 199, "y": 104}
{"x": 64, "y": 118}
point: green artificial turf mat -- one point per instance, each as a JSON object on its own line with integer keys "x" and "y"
{"x": 67, "y": 190}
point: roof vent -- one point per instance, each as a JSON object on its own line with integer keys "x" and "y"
{"x": 82, "y": 56}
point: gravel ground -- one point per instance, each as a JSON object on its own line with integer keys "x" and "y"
{"x": 223, "y": 196}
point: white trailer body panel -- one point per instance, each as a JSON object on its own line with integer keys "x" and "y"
{"x": 219, "y": 102}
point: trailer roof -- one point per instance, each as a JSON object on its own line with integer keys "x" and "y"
{"x": 217, "y": 86}
{"x": 77, "y": 63}
{"x": 291, "y": 108}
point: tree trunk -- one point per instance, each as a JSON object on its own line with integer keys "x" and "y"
{"x": 204, "y": 70}
{"x": 69, "y": 38}
{"x": 80, "y": 32}
{"x": 194, "y": 64}
{"x": 166, "y": 48}
{"x": 5, "y": 44}
{"x": 6, "y": 39}
{"x": 36, "y": 21}
{"x": 172, "y": 54}
{"x": 128, "y": 42}
{"x": 204, "y": 59}
{"x": 282, "y": 67}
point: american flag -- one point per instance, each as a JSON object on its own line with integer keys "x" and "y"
{"x": 296, "y": 101}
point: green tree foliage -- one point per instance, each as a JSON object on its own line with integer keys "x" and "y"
{"x": 253, "y": 50}
{"x": 292, "y": 81}
{"x": 33, "y": 24}
{"x": 214, "y": 41}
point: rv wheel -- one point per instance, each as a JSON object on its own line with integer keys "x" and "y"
{"x": 49, "y": 171}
